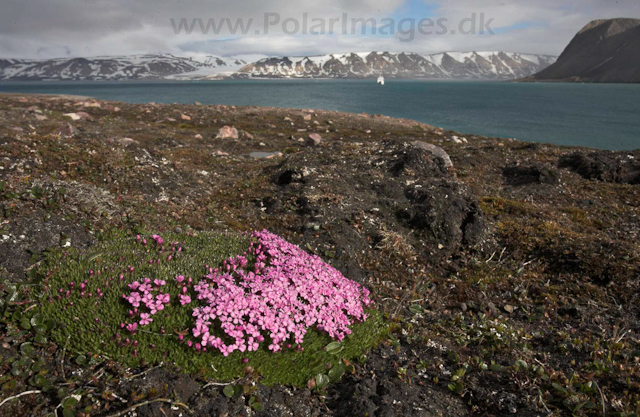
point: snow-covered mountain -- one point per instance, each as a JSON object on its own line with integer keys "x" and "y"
{"x": 135, "y": 67}
{"x": 448, "y": 65}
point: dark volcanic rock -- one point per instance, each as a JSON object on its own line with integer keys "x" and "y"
{"x": 603, "y": 51}
{"x": 386, "y": 395}
{"x": 390, "y": 185}
{"x": 27, "y": 238}
{"x": 521, "y": 175}
{"x": 603, "y": 166}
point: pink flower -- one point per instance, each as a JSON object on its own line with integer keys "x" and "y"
{"x": 285, "y": 293}
{"x": 145, "y": 319}
{"x": 144, "y": 288}
{"x": 158, "y": 239}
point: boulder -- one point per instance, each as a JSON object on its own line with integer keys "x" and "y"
{"x": 73, "y": 116}
{"x": 314, "y": 139}
{"x": 405, "y": 187}
{"x": 604, "y": 166}
{"x": 227, "y": 132}
{"x": 127, "y": 141}
{"x": 67, "y": 130}
{"x": 436, "y": 151}
{"x": 84, "y": 115}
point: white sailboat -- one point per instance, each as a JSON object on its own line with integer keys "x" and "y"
{"x": 381, "y": 80}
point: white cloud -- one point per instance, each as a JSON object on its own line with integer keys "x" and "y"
{"x": 51, "y": 28}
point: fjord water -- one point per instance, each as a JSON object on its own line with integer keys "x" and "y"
{"x": 605, "y": 116}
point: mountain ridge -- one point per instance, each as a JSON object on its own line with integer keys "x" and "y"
{"x": 604, "y": 50}
{"x": 127, "y": 67}
{"x": 446, "y": 65}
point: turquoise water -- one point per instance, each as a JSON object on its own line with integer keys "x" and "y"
{"x": 605, "y": 116}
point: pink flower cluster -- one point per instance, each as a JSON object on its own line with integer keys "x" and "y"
{"x": 144, "y": 292}
{"x": 287, "y": 292}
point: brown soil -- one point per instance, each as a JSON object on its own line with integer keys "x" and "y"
{"x": 520, "y": 264}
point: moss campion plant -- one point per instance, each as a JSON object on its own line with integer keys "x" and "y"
{"x": 211, "y": 304}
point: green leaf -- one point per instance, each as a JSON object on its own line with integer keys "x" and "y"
{"x": 334, "y": 348}
{"x": 322, "y": 380}
{"x": 25, "y": 324}
{"x": 521, "y": 365}
{"x": 40, "y": 339}
{"x": 36, "y": 320}
{"x": 26, "y": 348}
{"x": 12, "y": 295}
{"x": 63, "y": 392}
{"x": 257, "y": 407}
{"x": 37, "y": 380}
{"x": 336, "y": 372}
{"x": 10, "y": 385}
{"x": 496, "y": 368}
{"x": 81, "y": 360}
{"x": 456, "y": 387}
{"x": 49, "y": 323}
{"x": 315, "y": 362}
{"x": 559, "y": 387}
{"x": 69, "y": 402}
{"x": 229, "y": 391}
{"x": 416, "y": 309}
{"x": 94, "y": 256}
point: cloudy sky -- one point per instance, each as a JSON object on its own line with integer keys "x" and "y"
{"x": 67, "y": 28}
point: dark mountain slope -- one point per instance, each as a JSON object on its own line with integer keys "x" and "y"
{"x": 603, "y": 51}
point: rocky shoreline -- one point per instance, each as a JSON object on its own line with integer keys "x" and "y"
{"x": 508, "y": 270}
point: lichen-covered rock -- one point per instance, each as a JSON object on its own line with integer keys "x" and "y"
{"x": 314, "y": 139}
{"x": 435, "y": 151}
{"x": 227, "y": 132}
